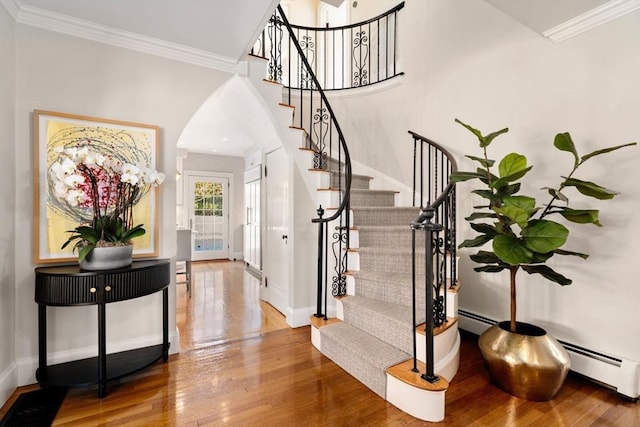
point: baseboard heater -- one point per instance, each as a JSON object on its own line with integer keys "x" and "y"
{"x": 621, "y": 374}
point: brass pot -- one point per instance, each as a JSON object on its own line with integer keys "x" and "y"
{"x": 530, "y": 363}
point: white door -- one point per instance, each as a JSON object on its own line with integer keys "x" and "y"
{"x": 251, "y": 248}
{"x": 276, "y": 254}
{"x": 209, "y": 216}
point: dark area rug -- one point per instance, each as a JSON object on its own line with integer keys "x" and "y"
{"x": 35, "y": 408}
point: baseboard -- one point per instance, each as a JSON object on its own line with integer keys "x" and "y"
{"x": 236, "y": 256}
{"x": 621, "y": 374}
{"x": 26, "y": 366}
{"x": 8, "y": 382}
{"x": 300, "y": 316}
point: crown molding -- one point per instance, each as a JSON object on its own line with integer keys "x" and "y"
{"x": 591, "y": 19}
{"x": 52, "y": 21}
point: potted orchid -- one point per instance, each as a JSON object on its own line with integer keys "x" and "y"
{"x": 101, "y": 190}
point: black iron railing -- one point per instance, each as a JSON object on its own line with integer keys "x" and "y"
{"x": 432, "y": 165}
{"x": 340, "y": 57}
{"x": 324, "y": 137}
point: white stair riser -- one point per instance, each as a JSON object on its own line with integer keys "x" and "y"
{"x": 422, "y": 404}
{"x": 443, "y": 343}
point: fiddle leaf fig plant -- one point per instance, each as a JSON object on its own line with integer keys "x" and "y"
{"x": 523, "y": 234}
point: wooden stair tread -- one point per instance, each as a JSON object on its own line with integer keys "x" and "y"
{"x": 272, "y": 82}
{"x": 319, "y": 322}
{"x": 440, "y": 329}
{"x": 403, "y": 372}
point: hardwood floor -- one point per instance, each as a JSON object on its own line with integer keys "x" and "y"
{"x": 241, "y": 366}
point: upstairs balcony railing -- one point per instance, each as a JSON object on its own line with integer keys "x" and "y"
{"x": 436, "y": 196}
{"x": 343, "y": 57}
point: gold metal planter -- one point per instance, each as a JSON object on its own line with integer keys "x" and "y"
{"x": 529, "y": 364}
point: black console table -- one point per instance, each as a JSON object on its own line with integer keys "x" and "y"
{"x": 66, "y": 286}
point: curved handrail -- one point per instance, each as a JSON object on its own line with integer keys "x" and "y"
{"x": 358, "y": 24}
{"x": 347, "y": 157}
{"x": 450, "y": 186}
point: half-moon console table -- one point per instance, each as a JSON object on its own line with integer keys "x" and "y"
{"x": 66, "y": 286}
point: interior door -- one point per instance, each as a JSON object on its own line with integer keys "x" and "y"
{"x": 276, "y": 254}
{"x": 209, "y": 217}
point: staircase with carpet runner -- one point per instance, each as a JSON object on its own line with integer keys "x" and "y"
{"x": 371, "y": 336}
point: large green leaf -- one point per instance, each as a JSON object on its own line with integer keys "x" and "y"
{"x": 547, "y": 273}
{"x": 564, "y": 142}
{"x": 474, "y": 131}
{"x": 511, "y": 250}
{"x": 563, "y": 252}
{"x": 485, "y": 257}
{"x": 606, "y": 150}
{"x": 484, "y": 140}
{"x": 590, "y": 189}
{"x": 490, "y": 137}
{"x": 508, "y": 190}
{"x": 525, "y": 203}
{"x": 476, "y": 242}
{"x": 544, "y": 236}
{"x": 484, "y": 228}
{"x": 514, "y": 213}
{"x": 580, "y": 216}
{"x": 511, "y": 164}
{"x": 465, "y": 176}
{"x": 481, "y": 215}
{"x": 509, "y": 178}
{"x": 487, "y": 194}
{"x": 490, "y": 268}
{"x": 484, "y": 162}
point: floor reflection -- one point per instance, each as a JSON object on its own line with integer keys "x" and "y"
{"x": 224, "y": 305}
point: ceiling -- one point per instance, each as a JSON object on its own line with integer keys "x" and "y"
{"x": 218, "y": 33}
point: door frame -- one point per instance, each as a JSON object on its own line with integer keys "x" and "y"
{"x": 186, "y": 176}
{"x": 265, "y": 293}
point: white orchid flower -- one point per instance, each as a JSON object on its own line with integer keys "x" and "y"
{"x": 83, "y": 152}
{"x": 130, "y": 174}
{"x": 71, "y": 152}
{"x": 56, "y": 172}
{"x": 91, "y": 158}
{"x": 68, "y": 166}
{"x": 155, "y": 178}
{"x": 73, "y": 180}
{"x": 75, "y": 197}
{"x": 60, "y": 189}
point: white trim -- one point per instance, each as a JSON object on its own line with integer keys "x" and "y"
{"x": 591, "y": 19}
{"x": 8, "y": 382}
{"x": 41, "y": 18}
{"x": 300, "y": 316}
{"x": 622, "y": 374}
{"x": 27, "y": 365}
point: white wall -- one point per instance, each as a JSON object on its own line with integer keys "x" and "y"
{"x": 8, "y": 371}
{"x": 468, "y": 60}
{"x": 66, "y": 74}
{"x": 227, "y": 164}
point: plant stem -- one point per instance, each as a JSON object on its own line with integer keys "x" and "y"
{"x": 513, "y": 270}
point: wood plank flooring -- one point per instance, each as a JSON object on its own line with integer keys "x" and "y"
{"x": 273, "y": 376}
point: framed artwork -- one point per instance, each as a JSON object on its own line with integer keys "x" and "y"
{"x": 133, "y": 143}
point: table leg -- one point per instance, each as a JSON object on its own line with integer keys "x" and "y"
{"x": 42, "y": 341}
{"x": 102, "y": 351}
{"x": 165, "y": 324}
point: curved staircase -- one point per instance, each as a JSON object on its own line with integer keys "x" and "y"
{"x": 372, "y": 335}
